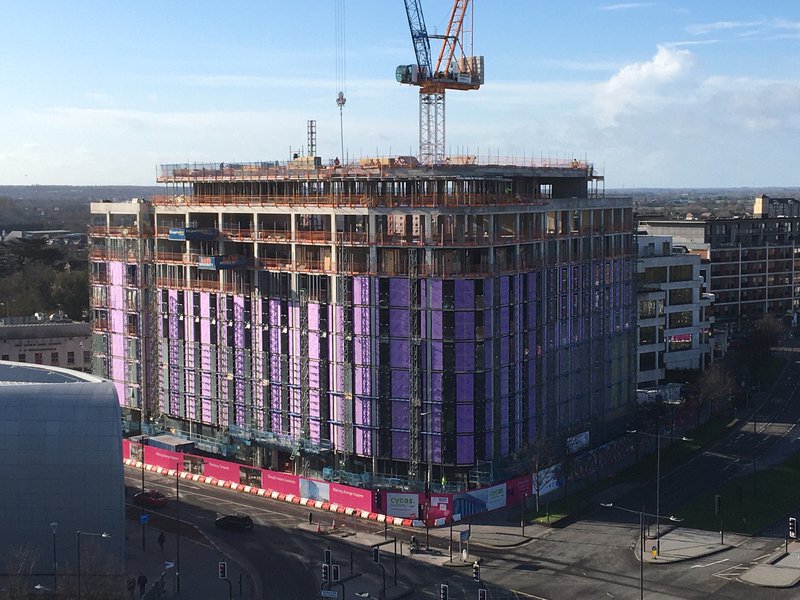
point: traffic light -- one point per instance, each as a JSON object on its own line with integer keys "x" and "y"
{"x": 476, "y": 571}
{"x": 327, "y": 556}
{"x": 717, "y": 504}
{"x": 792, "y": 527}
{"x": 376, "y": 555}
{"x": 443, "y": 593}
{"x": 334, "y": 573}
{"x": 481, "y": 594}
{"x": 223, "y": 570}
{"x": 326, "y": 575}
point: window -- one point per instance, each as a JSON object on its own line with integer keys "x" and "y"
{"x": 680, "y": 296}
{"x": 647, "y": 361}
{"x": 54, "y": 358}
{"x": 680, "y": 319}
{"x": 38, "y": 358}
{"x": 647, "y": 335}
{"x": 680, "y": 273}
{"x": 649, "y": 309}
{"x": 655, "y": 275}
{"x": 70, "y": 358}
{"x": 4, "y": 357}
{"x": 21, "y": 357}
{"x": 676, "y": 343}
{"x": 87, "y": 356}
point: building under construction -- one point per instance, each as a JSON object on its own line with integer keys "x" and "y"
{"x": 381, "y": 317}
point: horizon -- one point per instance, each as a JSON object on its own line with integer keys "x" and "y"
{"x": 655, "y": 95}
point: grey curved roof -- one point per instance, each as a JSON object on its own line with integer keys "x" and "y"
{"x": 60, "y": 459}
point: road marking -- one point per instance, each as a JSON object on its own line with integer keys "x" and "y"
{"x": 732, "y": 573}
{"x": 518, "y": 594}
{"x": 758, "y": 558}
{"x": 709, "y": 564}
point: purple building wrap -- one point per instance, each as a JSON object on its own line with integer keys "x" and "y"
{"x": 317, "y": 333}
{"x": 174, "y": 363}
{"x": 239, "y": 400}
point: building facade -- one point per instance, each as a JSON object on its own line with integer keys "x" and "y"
{"x": 674, "y": 324}
{"x": 46, "y": 340}
{"x": 379, "y": 316}
{"x": 755, "y": 262}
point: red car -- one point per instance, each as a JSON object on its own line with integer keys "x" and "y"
{"x": 150, "y": 499}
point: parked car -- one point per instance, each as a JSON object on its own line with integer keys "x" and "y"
{"x": 150, "y": 499}
{"x": 234, "y": 522}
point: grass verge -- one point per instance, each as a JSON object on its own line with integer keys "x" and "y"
{"x": 748, "y": 504}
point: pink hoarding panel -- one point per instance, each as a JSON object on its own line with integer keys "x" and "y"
{"x": 283, "y": 483}
{"x": 221, "y": 469}
{"x": 517, "y": 488}
{"x": 350, "y": 496}
{"x": 126, "y": 449}
{"x": 162, "y": 458}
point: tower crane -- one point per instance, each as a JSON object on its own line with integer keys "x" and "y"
{"x": 455, "y": 69}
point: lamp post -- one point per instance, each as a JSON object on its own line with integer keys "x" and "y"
{"x": 658, "y": 437}
{"x": 178, "y": 529}
{"x": 642, "y": 515}
{"x": 53, "y": 527}
{"x": 78, "y": 535}
{"x": 142, "y": 444}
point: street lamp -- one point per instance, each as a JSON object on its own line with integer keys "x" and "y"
{"x": 429, "y": 414}
{"x": 53, "y": 527}
{"x": 78, "y": 535}
{"x": 178, "y": 523}
{"x": 142, "y": 439}
{"x": 642, "y": 515}
{"x": 658, "y": 436}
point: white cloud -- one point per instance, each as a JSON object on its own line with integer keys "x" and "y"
{"x": 641, "y": 84}
{"x": 783, "y": 28}
{"x": 626, "y": 5}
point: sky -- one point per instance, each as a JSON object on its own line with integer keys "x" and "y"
{"x": 671, "y": 93}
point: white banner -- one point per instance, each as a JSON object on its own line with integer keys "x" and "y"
{"x": 402, "y": 505}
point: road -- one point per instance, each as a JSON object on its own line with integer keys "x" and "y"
{"x": 288, "y": 559}
{"x": 593, "y": 558}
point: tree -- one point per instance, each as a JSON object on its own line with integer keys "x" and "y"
{"x": 713, "y": 386}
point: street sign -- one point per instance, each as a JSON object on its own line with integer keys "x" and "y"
{"x": 463, "y": 535}
{"x": 329, "y": 593}
{"x": 168, "y": 565}
{"x": 143, "y": 519}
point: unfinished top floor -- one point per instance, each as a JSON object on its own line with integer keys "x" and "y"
{"x": 373, "y": 183}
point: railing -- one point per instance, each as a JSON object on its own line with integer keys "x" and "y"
{"x": 108, "y": 254}
{"x": 279, "y": 169}
{"x": 236, "y": 233}
{"x": 313, "y": 236}
{"x": 119, "y": 230}
{"x": 274, "y": 263}
{"x": 274, "y": 235}
{"x": 357, "y": 200}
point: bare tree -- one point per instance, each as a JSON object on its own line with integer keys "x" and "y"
{"x": 713, "y": 386}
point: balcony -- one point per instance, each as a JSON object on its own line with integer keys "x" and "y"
{"x": 314, "y": 237}
{"x": 274, "y": 264}
{"x": 118, "y": 230}
{"x": 236, "y": 233}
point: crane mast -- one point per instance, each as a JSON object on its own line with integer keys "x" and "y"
{"x": 456, "y": 68}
